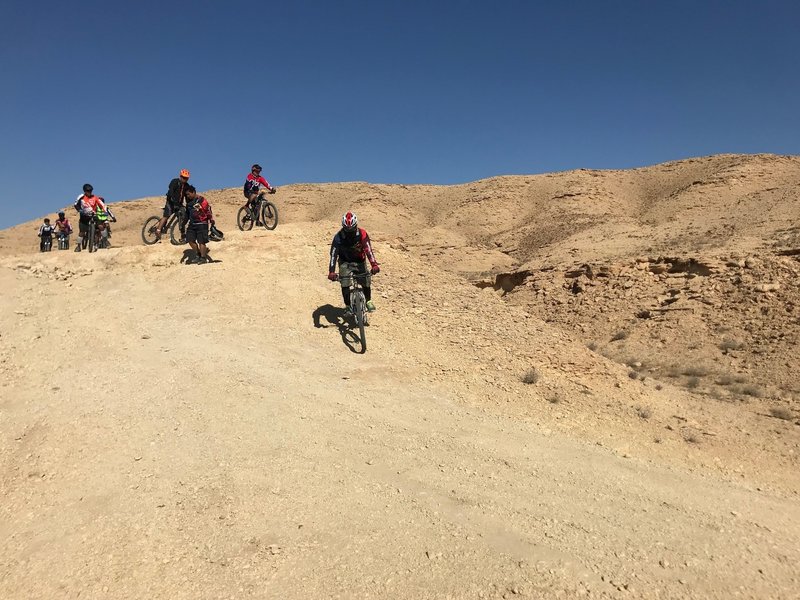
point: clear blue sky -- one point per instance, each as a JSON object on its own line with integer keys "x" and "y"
{"x": 123, "y": 95}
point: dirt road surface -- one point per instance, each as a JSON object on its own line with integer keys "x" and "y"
{"x": 208, "y": 431}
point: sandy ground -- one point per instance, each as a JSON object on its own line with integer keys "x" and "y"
{"x": 211, "y": 431}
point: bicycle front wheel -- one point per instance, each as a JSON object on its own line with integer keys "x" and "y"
{"x": 92, "y": 233}
{"x": 150, "y": 231}
{"x": 244, "y": 219}
{"x": 359, "y": 311}
{"x": 175, "y": 235}
{"x": 269, "y": 215}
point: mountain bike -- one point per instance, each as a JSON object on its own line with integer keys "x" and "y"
{"x": 173, "y": 225}
{"x": 63, "y": 241}
{"x": 47, "y": 244}
{"x": 358, "y": 304}
{"x": 266, "y": 210}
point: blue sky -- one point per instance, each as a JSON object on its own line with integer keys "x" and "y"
{"x": 125, "y": 95}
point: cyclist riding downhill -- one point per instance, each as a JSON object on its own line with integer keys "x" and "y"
{"x": 351, "y": 249}
{"x": 103, "y": 216}
{"x": 176, "y": 196}
{"x": 253, "y": 185}
{"x": 87, "y": 205}
{"x": 46, "y": 232}
{"x": 63, "y": 230}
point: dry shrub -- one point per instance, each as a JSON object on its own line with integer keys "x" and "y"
{"x": 725, "y": 380}
{"x": 692, "y": 382}
{"x": 781, "y": 412}
{"x": 730, "y": 344}
{"x": 531, "y": 377}
{"x": 695, "y": 371}
{"x": 644, "y": 412}
{"x": 753, "y": 390}
{"x": 592, "y": 346}
{"x": 620, "y": 335}
{"x": 633, "y": 375}
{"x": 659, "y": 387}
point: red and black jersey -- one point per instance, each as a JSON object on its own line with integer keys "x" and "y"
{"x": 199, "y": 210}
{"x": 351, "y": 247}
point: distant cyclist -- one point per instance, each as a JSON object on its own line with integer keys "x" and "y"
{"x": 351, "y": 249}
{"x": 87, "y": 205}
{"x": 46, "y": 232}
{"x": 104, "y": 218}
{"x": 254, "y": 186}
{"x": 176, "y": 195}
{"x": 200, "y": 217}
{"x": 63, "y": 229}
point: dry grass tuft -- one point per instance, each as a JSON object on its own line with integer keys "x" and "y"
{"x": 692, "y": 382}
{"x": 622, "y": 334}
{"x": 644, "y": 412}
{"x": 753, "y": 390}
{"x": 730, "y": 344}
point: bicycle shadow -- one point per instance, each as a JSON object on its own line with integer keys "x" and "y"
{"x": 334, "y": 316}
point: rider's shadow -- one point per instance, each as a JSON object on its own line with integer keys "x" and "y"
{"x": 334, "y": 317}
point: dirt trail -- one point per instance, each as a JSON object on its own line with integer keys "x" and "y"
{"x": 216, "y": 438}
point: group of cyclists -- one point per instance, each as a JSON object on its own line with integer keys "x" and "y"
{"x": 351, "y": 249}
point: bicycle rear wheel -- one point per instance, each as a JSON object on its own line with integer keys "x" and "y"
{"x": 244, "y": 219}
{"x": 359, "y": 311}
{"x": 150, "y": 231}
{"x": 269, "y": 215}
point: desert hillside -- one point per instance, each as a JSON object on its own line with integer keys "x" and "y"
{"x": 579, "y": 384}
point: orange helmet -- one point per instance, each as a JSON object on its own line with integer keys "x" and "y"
{"x": 185, "y": 173}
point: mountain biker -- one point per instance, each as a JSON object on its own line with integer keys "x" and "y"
{"x": 176, "y": 195}
{"x": 199, "y": 217}
{"x": 102, "y": 217}
{"x": 352, "y": 249}
{"x": 86, "y": 204}
{"x": 63, "y": 228}
{"x": 45, "y": 233}
{"x": 252, "y": 188}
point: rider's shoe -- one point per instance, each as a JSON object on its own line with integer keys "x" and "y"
{"x": 348, "y": 312}
{"x": 370, "y": 306}
{"x": 78, "y": 248}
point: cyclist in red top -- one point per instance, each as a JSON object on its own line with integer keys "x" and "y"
{"x": 351, "y": 249}
{"x": 199, "y": 216}
{"x": 87, "y": 205}
{"x": 253, "y": 188}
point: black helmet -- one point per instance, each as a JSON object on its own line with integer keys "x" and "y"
{"x": 61, "y": 214}
{"x": 256, "y": 167}
{"x": 87, "y": 188}
{"x": 215, "y": 234}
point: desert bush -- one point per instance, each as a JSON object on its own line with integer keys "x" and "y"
{"x": 633, "y": 375}
{"x": 622, "y": 334}
{"x": 730, "y": 344}
{"x": 592, "y": 346}
{"x": 554, "y": 399}
{"x": 659, "y": 387}
{"x": 725, "y": 380}
{"x": 531, "y": 377}
{"x": 695, "y": 371}
{"x": 753, "y": 390}
{"x": 781, "y": 412}
{"x": 691, "y": 436}
{"x": 692, "y": 382}
{"x": 644, "y": 412}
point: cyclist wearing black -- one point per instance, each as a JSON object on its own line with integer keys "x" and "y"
{"x": 46, "y": 234}
{"x": 176, "y": 195}
{"x": 351, "y": 249}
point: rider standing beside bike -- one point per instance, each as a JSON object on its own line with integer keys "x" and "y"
{"x": 87, "y": 205}
{"x": 199, "y": 217}
{"x": 252, "y": 188}
{"x": 176, "y": 195}
{"x": 352, "y": 249}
